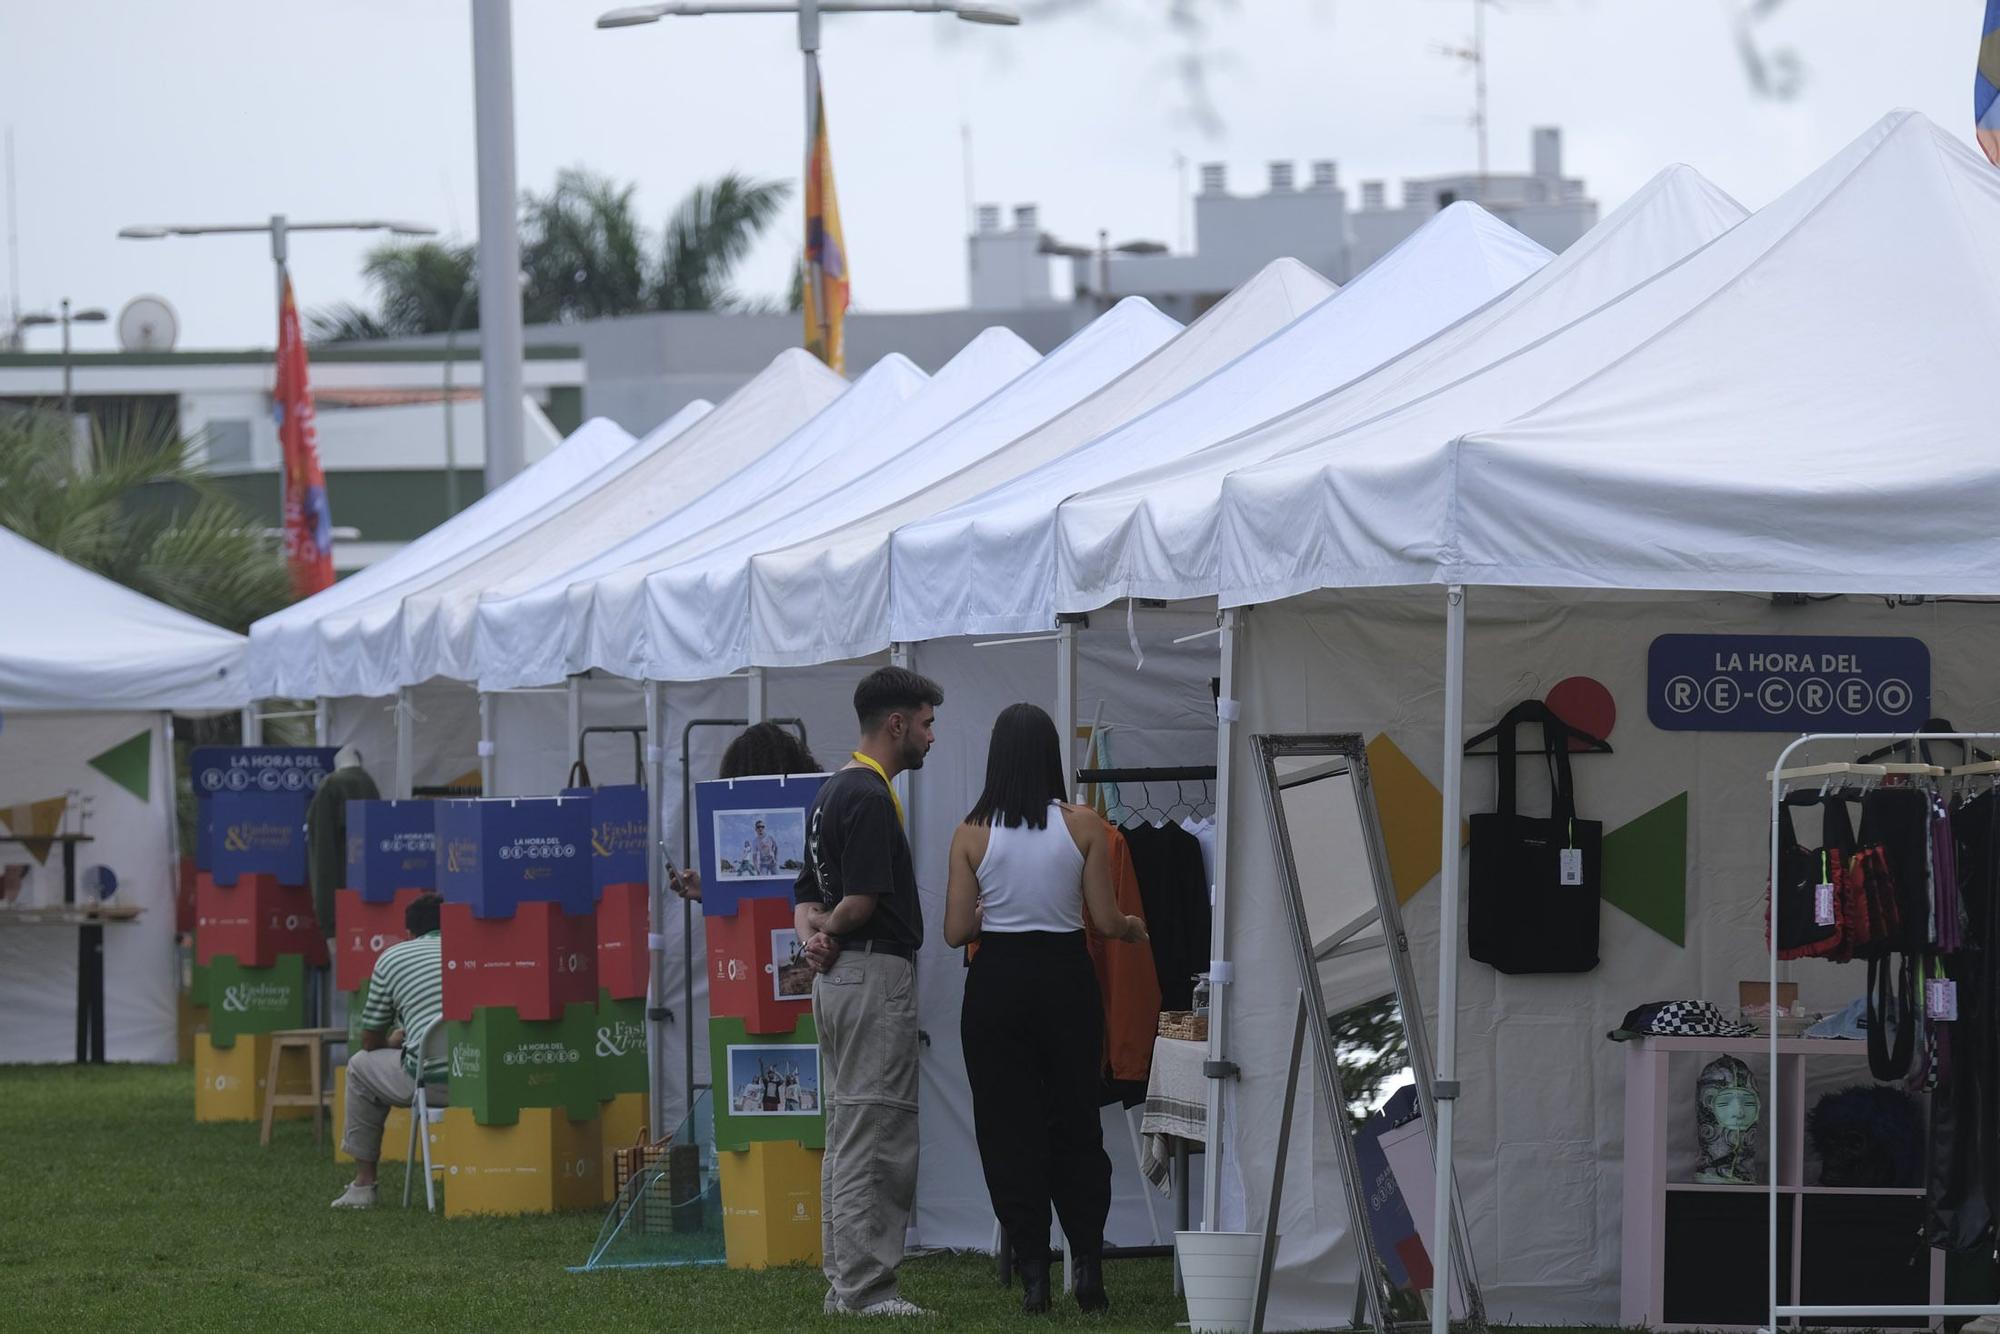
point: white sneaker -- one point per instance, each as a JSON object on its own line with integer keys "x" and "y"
{"x": 834, "y": 1306}
{"x": 892, "y": 1306}
{"x": 356, "y": 1197}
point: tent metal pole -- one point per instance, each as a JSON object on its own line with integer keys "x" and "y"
{"x": 574, "y": 697}
{"x": 1066, "y": 697}
{"x": 1445, "y": 1088}
{"x": 405, "y": 779}
{"x": 487, "y": 764}
{"x": 755, "y": 710}
{"x": 657, "y": 900}
{"x": 322, "y": 720}
{"x": 902, "y": 655}
{"x": 253, "y": 725}
{"x": 1226, "y": 716}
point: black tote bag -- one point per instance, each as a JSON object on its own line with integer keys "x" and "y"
{"x": 1523, "y": 918}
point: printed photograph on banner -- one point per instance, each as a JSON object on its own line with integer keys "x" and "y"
{"x": 791, "y": 975}
{"x": 760, "y": 845}
{"x": 774, "y": 1081}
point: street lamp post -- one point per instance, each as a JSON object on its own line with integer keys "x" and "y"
{"x": 972, "y": 11}
{"x": 279, "y": 229}
{"x": 66, "y": 318}
{"x": 1102, "y": 253}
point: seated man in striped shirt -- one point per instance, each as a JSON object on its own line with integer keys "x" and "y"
{"x": 405, "y": 997}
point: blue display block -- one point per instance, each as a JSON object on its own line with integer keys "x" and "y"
{"x": 494, "y": 853}
{"x": 617, "y": 837}
{"x": 391, "y": 845}
{"x": 258, "y": 833}
{"x": 217, "y": 769}
{"x": 752, "y": 837}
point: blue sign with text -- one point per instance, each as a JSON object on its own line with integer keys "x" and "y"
{"x": 1788, "y": 683}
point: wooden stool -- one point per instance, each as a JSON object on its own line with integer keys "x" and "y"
{"x": 314, "y": 1041}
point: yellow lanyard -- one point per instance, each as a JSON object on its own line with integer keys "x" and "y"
{"x": 859, "y": 758}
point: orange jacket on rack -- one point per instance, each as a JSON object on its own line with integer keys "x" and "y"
{"x": 1127, "y": 979}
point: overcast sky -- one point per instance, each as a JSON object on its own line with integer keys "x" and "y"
{"x": 228, "y": 110}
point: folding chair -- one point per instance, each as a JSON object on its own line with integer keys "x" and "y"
{"x": 433, "y": 1048}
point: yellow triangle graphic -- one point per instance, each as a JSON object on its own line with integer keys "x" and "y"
{"x": 35, "y": 824}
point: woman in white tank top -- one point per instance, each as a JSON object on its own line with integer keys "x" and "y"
{"x": 1025, "y": 869}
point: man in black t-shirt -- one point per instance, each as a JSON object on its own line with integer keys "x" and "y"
{"x": 859, "y": 919}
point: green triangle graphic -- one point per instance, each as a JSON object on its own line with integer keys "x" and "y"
{"x": 1645, "y": 868}
{"x": 130, "y": 765}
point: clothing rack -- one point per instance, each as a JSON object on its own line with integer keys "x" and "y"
{"x": 1192, "y": 773}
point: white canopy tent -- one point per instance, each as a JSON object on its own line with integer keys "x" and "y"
{"x": 90, "y": 673}
{"x": 988, "y": 566}
{"x": 1151, "y": 533}
{"x": 285, "y": 637}
{"x": 847, "y": 569}
{"x": 521, "y": 640}
{"x": 594, "y": 617}
{"x": 699, "y": 615}
{"x": 1737, "y": 425}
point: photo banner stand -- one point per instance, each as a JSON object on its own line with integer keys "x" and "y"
{"x": 1800, "y": 1313}
{"x": 1346, "y": 754}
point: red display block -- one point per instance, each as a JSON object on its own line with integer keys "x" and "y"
{"x": 255, "y": 921}
{"x": 363, "y": 931}
{"x": 533, "y": 963}
{"x": 752, "y": 975}
{"x": 624, "y": 961}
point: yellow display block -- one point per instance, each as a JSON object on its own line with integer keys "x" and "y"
{"x": 625, "y": 1124}
{"x": 770, "y": 1205}
{"x": 229, "y": 1081}
{"x": 543, "y": 1163}
{"x": 395, "y": 1131}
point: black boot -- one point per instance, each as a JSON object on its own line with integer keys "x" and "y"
{"x": 1034, "y": 1284}
{"x": 1090, "y": 1284}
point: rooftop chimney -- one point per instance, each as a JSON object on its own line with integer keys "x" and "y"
{"x": 1548, "y": 152}
{"x": 988, "y": 218}
{"x": 1214, "y": 178}
{"x": 1374, "y": 196}
{"x": 1325, "y": 175}
{"x": 1027, "y": 217}
{"x": 1281, "y": 178}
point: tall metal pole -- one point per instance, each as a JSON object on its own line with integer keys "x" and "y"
{"x": 280, "y": 254}
{"x": 1226, "y": 711}
{"x": 1446, "y": 1085}
{"x": 69, "y": 410}
{"x": 405, "y": 746}
{"x": 486, "y": 759}
{"x": 809, "y": 46}
{"x": 500, "y": 338}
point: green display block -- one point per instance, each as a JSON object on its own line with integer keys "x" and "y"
{"x": 254, "y": 1000}
{"x": 501, "y": 1063}
{"x": 767, "y": 1085}
{"x": 357, "y": 1002}
{"x": 198, "y": 987}
{"x": 620, "y": 1047}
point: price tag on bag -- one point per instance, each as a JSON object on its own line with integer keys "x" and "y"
{"x": 1823, "y": 905}
{"x": 1940, "y": 999}
{"x": 1572, "y": 866}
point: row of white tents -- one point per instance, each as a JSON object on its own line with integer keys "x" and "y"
{"x": 1688, "y": 409}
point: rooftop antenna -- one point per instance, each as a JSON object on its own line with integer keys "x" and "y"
{"x": 1475, "y": 56}
{"x": 1181, "y": 205}
{"x": 965, "y": 151}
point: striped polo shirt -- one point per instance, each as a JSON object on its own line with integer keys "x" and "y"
{"x": 407, "y": 992}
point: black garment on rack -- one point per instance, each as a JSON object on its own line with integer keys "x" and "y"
{"x": 1174, "y": 888}
{"x": 1897, "y": 819}
{"x": 1963, "y": 1185}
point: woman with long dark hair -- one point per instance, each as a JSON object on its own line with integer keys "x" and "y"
{"x": 1025, "y": 868}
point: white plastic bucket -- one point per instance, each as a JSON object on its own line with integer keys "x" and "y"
{"x": 1219, "y": 1276}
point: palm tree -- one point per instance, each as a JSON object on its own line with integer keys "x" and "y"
{"x": 143, "y": 514}
{"x": 584, "y": 255}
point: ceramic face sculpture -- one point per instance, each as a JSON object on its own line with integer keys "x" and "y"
{"x": 1726, "y": 1112}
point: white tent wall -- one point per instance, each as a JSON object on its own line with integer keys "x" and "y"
{"x": 47, "y": 755}
{"x": 444, "y": 733}
{"x": 1540, "y": 1125}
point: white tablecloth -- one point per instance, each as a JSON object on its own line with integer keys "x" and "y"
{"x": 1176, "y": 1106}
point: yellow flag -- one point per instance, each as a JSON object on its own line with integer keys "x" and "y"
{"x": 826, "y": 252}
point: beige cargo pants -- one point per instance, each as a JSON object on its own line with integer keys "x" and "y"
{"x": 865, "y": 1008}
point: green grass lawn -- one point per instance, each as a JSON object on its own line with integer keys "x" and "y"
{"x": 118, "y": 1211}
